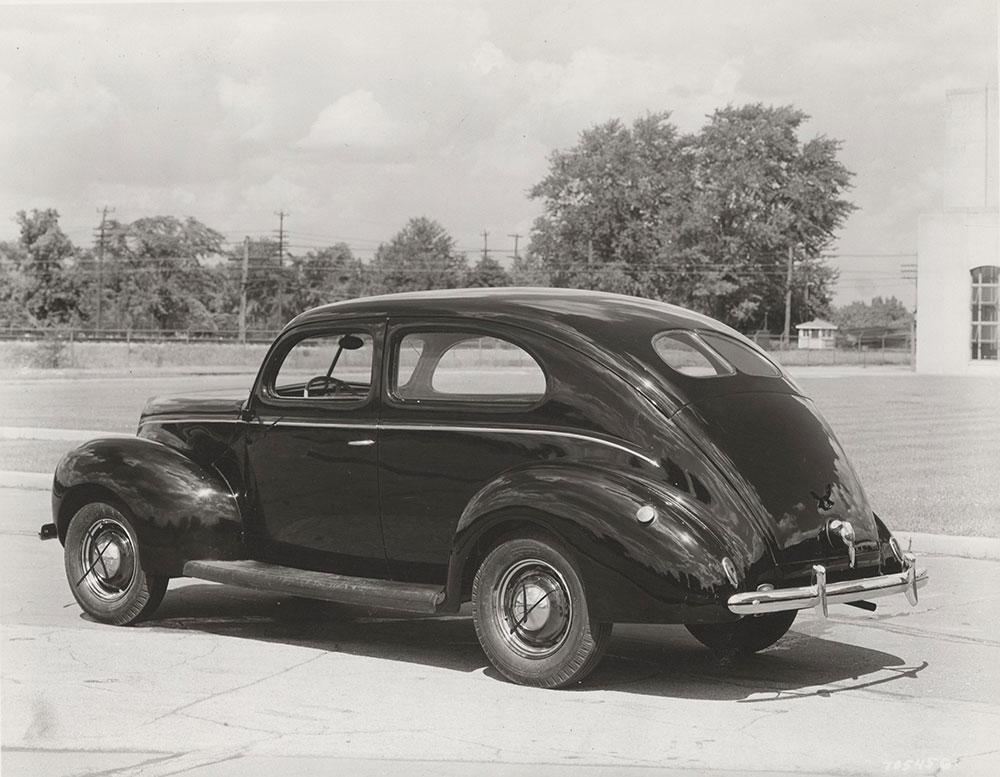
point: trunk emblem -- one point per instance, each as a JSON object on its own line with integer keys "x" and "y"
{"x": 823, "y": 502}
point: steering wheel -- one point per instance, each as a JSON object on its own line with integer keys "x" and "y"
{"x": 322, "y": 383}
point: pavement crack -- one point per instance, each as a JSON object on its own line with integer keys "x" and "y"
{"x": 234, "y": 689}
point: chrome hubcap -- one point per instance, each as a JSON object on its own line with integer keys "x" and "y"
{"x": 532, "y": 609}
{"x": 108, "y": 559}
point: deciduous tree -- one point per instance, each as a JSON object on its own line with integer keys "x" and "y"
{"x": 156, "y": 272}
{"x": 325, "y": 275}
{"x": 875, "y": 315}
{"x": 705, "y": 220}
{"x": 487, "y": 273}
{"x": 422, "y": 255}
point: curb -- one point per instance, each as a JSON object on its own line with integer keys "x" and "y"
{"x": 983, "y": 548}
{"x": 55, "y": 435}
{"x": 26, "y": 481}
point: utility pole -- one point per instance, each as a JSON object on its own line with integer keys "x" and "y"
{"x": 281, "y": 264}
{"x": 486, "y": 250}
{"x": 786, "y": 337}
{"x": 909, "y": 273}
{"x": 513, "y": 268}
{"x": 100, "y": 264}
{"x": 590, "y": 264}
{"x": 243, "y": 289}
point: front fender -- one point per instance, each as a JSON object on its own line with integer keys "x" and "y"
{"x": 669, "y": 570}
{"x": 181, "y": 510}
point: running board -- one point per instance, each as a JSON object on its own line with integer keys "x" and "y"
{"x": 410, "y": 597}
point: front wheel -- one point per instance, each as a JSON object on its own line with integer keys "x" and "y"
{"x": 530, "y": 613}
{"x": 103, "y": 570}
{"x": 747, "y": 635}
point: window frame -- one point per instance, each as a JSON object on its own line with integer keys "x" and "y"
{"x": 724, "y": 366}
{"x": 394, "y": 338}
{"x": 265, "y": 392}
{"x": 976, "y": 340}
{"x": 691, "y": 338}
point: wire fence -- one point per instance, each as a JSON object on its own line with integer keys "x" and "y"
{"x": 222, "y": 349}
{"x": 29, "y": 334}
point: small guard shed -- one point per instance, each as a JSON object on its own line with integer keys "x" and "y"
{"x": 817, "y": 334}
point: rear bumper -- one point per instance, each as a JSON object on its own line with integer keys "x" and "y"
{"x": 821, "y": 594}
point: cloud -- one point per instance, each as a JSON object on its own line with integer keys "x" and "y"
{"x": 357, "y": 120}
{"x": 248, "y": 105}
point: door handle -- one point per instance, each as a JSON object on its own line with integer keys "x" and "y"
{"x": 361, "y": 443}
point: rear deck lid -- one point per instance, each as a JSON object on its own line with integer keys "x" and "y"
{"x": 782, "y": 456}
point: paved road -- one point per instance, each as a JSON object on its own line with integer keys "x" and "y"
{"x": 226, "y": 682}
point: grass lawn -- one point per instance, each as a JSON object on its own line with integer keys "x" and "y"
{"x": 927, "y": 448}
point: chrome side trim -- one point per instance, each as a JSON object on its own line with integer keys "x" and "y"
{"x": 280, "y": 421}
{"x": 822, "y": 594}
{"x": 508, "y": 430}
{"x": 204, "y": 419}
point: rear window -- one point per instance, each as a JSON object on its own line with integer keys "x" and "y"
{"x": 708, "y": 355}
{"x": 682, "y": 352}
{"x": 741, "y": 356}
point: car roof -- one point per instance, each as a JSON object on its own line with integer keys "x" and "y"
{"x": 588, "y": 312}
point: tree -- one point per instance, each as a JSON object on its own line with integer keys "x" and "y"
{"x": 703, "y": 220}
{"x": 421, "y": 255}
{"x": 760, "y": 192}
{"x": 38, "y": 262}
{"x": 326, "y": 275}
{"x": 268, "y": 283}
{"x": 879, "y": 314}
{"x": 487, "y": 273}
{"x": 613, "y": 203}
{"x": 156, "y": 275}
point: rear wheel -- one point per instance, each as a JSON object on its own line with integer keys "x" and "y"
{"x": 103, "y": 570}
{"x": 530, "y": 613}
{"x": 747, "y": 635}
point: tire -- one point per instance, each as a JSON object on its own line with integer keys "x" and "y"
{"x": 747, "y": 635}
{"x": 531, "y": 618}
{"x": 103, "y": 569}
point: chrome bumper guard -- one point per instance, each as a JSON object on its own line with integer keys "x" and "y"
{"x": 822, "y": 594}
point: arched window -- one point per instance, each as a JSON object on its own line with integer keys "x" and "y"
{"x": 985, "y": 311}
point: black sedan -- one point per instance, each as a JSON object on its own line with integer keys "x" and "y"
{"x": 565, "y": 459}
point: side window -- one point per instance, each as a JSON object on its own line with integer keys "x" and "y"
{"x": 335, "y": 366}
{"x": 464, "y": 366}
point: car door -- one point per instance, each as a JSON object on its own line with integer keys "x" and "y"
{"x": 457, "y": 398}
{"x": 312, "y": 454}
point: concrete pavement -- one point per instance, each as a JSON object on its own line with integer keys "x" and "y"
{"x": 225, "y": 682}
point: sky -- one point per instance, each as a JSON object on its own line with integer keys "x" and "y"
{"x": 353, "y": 117}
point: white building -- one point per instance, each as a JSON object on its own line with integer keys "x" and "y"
{"x": 958, "y": 248}
{"x": 817, "y": 334}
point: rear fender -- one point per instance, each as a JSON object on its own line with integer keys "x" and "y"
{"x": 668, "y": 570}
{"x": 181, "y": 510}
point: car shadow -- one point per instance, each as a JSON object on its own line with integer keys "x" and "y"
{"x": 642, "y": 659}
